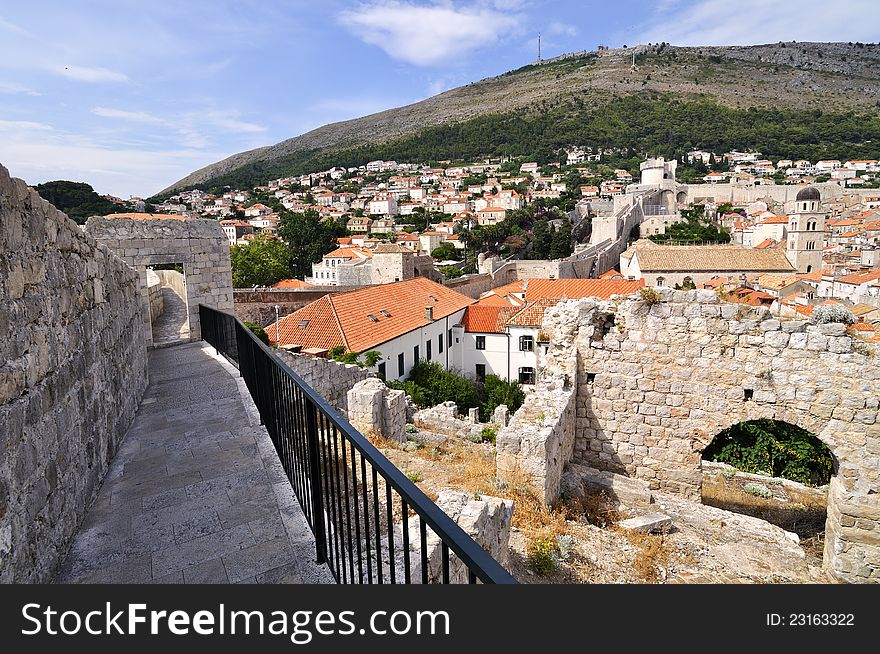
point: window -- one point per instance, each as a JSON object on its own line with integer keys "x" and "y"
{"x": 415, "y": 355}
{"x": 449, "y": 337}
{"x": 440, "y": 344}
{"x": 526, "y": 343}
{"x": 526, "y": 375}
{"x": 660, "y": 281}
{"x": 481, "y": 342}
{"x": 382, "y": 370}
{"x": 481, "y": 371}
{"x": 401, "y": 365}
{"x": 428, "y": 344}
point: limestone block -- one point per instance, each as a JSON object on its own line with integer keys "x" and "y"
{"x": 653, "y": 523}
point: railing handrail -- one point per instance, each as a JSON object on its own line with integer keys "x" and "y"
{"x": 486, "y": 568}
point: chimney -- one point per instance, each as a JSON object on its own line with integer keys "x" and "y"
{"x": 429, "y": 314}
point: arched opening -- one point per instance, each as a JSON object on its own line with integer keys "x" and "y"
{"x": 681, "y": 198}
{"x": 775, "y": 471}
{"x": 809, "y": 268}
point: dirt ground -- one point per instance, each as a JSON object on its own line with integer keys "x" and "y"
{"x": 582, "y": 543}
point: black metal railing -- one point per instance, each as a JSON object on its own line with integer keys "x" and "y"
{"x": 371, "y": 523}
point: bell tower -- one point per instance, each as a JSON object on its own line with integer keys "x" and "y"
{"x": 806, "y": 232}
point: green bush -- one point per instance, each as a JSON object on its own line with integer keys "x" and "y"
{"x": 497, "y": 392}
{"x": 542, "y": 556}
{"x": 774, "y": 448}
{"x": 258, "y": 331}
{"x": 488, "y": 435}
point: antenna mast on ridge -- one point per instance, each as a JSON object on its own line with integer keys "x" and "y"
{"x": 539, "y": 47}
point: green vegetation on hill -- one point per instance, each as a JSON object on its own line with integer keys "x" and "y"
{"x": 694, "y": 229}
{"x": 77, "y": 199}
{"x": 654, "y": 123}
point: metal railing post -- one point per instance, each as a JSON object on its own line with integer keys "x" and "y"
{"x": 315, "y": 482}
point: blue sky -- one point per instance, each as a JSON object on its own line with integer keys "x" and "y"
{"x": 130, "y": 96}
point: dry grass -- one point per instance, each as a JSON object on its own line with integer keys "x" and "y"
{"x": 652, "y": 556}
{"x": 805, "y": 516}
{"x": 595, "y": 508}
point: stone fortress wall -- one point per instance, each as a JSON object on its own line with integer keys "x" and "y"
{"x": 200, "y": 245}
{"x": 73, "y": 368}
{"x": 654, "y": 383}
{"x": 331, "y": 379}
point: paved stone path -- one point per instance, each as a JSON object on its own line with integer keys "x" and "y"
{"x": 196, "y": 493}
{"x": 173, "y": 324}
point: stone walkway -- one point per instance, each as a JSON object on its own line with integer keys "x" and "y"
{"x": 196, "y": 493}
{"x": 173, "y": 324}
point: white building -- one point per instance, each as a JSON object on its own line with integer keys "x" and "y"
{"x": 404, "y": 322}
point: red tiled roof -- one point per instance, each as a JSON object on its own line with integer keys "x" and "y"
{"x": 344, "y": 318}
{"x": 291, "y": 283}
{"x": 487, "y": 319}
{"x": 579, "y": 288}
{"x": 860, "y": 277}
{"x": 532, "y": 315}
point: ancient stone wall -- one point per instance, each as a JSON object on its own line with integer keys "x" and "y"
{"x": 656, "y": 381}
{"x": 374, "y": 407}
{"x": 539, "y": 440}
{"x": 154, "y": 290}
{"x": 173, "y": 280}
{"x": 200, "y": 245}
{"x": 73, "y": 368}
{"x": 331, "y": 379}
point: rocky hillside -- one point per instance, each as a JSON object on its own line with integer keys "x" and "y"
{"x": 832, "y": 77}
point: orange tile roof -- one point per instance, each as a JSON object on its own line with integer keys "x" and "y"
{"x": 344, "y": 318}
{"x": 292, "y": 283}
{"x": 611, "y": 274}
{"x": 860, "y": 277}
{"x": 766, "y": 243}
{"x": 349, "y": 253}
{"x": 487, "y": 319}
{"x": 775, "y": 220}
{"x": 519, "y": 286}
{"x": 579, "y": 288}
{"x": 532, "y": 315}
{"x": 492, "y": 299}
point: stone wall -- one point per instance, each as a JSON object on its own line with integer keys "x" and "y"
{"x": 200, "y": 245}
{"x": 374, "y": 407}
{"x": 484, "y": 518}
{"x": 173, "y": 280}
{"x": 444, "y": 419}
{"x": 657, "y": 381}
{"x": 73, "y": 367}
{"x": 539, "y": 440}
{"x": 154, "y": 290}
{"x": 331, "y": 379}
{"x": 258, "y": 306}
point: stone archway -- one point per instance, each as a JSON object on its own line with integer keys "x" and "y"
{"x": 654, "y": 391}
{"x": 200, "y": 246}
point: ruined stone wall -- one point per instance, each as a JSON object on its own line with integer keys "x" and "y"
{"x": 331, "y": 379}
{"x": 657, "y": 381}
{"x": 373, "y": 407}
{"x": 200, "y": 245}
{"x": 539, "y": 440}
{"x": 173, "y": 280}
{"x": 73, "y": 368}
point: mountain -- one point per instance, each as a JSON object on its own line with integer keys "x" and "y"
{"x": 77, "y": 199}
{"x": 788, "y": 86}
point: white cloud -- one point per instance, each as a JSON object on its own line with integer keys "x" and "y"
{"x": 428, "y": 35}
{"x": 229, "y": 122}
{"x": 89, "y": 73}
{"x": 135, "y": 116}
{"x": 18, "y": 125}
{"x": 747, "y": 22}
{"x": 17, "y": 89}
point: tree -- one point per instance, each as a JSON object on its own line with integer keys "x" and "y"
{"x": 541, "y": 240}
{"x": 444, "y": 252}
{"x": 560, "y": 241}
{"x": 450, "y": 272}
{"x": 308, "y": 239}
{"x": 262, "y": 262}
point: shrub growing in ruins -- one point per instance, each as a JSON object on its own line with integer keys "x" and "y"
{"x": 488, "y": 435}
{"x": 649, "y": 296}
{"x": 542, "y": 556}
{"x": 828, "y": 313}
{"x": 774, "y": 448}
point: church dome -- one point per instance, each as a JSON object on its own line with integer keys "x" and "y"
{"x": 806, "y": 194}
